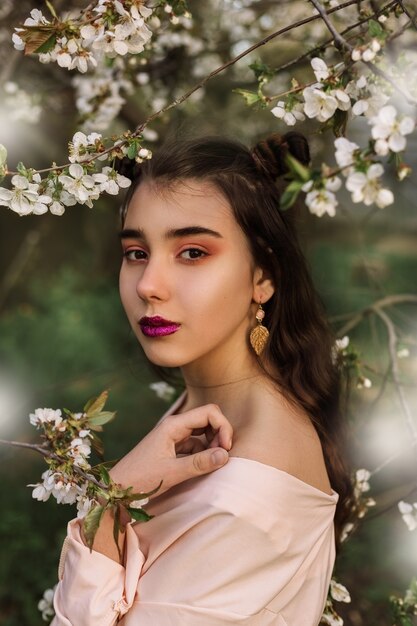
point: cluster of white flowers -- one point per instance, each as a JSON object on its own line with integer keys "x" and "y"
{"x": 32, "y": 195}
{"x": 21, "y": 105}
{"x": 361, "y": 486}
{"x": 46, "y": 604}
{"x": 58, "y": 485}
{"x": 322, "y": 200}
{"x": 339, "y": 593}
{"x": 339, "y": 348}
{"x": 100, "y": 95}
{"x": 324, "y": 97}
{"x": 109, "y": 28}
{"x": 409, "y": 514}
{"x": 289, "y": 113}
{"x": 53, "y": 417}
{"x": 25, "y": 197}
{"x": 163, "y": 390}
{"x": 367, "y": 52}
{"x": 363, "y": 183}
{"x": 128, "y": 32}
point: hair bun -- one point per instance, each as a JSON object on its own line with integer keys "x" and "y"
{"x": 269, "y": 153}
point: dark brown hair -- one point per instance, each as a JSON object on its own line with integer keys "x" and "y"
{"x": 300, "y": 344}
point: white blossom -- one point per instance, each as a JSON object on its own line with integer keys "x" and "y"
{"x": 80, "y": 144}
{"x": 318, "y": 103}
{"x": 84, "y": 504}
{"x": 138, "y": 504}
{"x": 24, "y": 198}
{"x": 80, "y": 451}
{"x": 45, "y": 605}
{"x": 339, "y": 592}
{"x": 344, "y": 153}
{"x": 321, "y": 201}
{"x": 331, "y": 619}
{"x": 342, "y": 99}
{"x": 289, "y": 116}
{"x": 361, "y": 482}
{"x": 367, "y": 52}
{"x": 339, "y": 347}
{"x": 110, "y": 181}
{"x": 320, "y": 69}
{"x": 347, "y": 529}
{"x": 162, "y": 390}
{"x": 409, "y": 514}
{"x": 389, "y": 131}
{"x": 81, "y": 186}
{"x": 46, "y": 416}
{"x": 366, "y": 187}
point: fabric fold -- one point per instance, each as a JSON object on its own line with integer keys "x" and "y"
{"x": 92, "y": 588}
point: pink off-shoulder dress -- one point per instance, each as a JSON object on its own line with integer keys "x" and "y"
{"x": 247, "y": 544}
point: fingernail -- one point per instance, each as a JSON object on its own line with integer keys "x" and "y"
{"x": 219, "y": 457}
{"x": 230, "y": 444}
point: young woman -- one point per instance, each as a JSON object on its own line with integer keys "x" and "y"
{"x": 214, "y": 283}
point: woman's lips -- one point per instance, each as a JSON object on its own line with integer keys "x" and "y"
{"x": 157, "y": 326}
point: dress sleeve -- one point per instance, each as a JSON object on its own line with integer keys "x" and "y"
{"x": 92, "y": 588}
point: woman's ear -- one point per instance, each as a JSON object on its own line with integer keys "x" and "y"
{"x": 263, "y": 285}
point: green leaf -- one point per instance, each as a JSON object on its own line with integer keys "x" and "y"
{"x": 132, "y": 150}
{"x": 51, "y": 9}
{"x": 47, "y": 45}
{"x": 290, "y": 195}
{"x": 260, "y": 69}
{"x": 375, "y": 29}
{"x": 139, "y": 515}
{"x": 100, "y": 419}
{"x": 141, "y": 496}
{"x": 91, "y": 524}
{"x": 104, "y": 474}
{"x": 95, "y": 405}
{"x": 251, "y": 97}
{"x": 299, "y": 171}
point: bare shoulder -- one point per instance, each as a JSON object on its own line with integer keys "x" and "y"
{"x": 286, "y": 442}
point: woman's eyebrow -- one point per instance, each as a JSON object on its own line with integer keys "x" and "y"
{"x": 172, "y": 233}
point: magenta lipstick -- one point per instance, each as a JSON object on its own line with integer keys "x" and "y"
{"x": 157, "y": 326}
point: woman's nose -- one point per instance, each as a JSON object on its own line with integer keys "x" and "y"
{"x": 153, "y": 281}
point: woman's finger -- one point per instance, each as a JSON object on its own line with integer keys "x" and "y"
{"x": 190, "y": 446}
{"x": 182, "y": 425}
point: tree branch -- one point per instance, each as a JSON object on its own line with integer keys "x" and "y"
{"x": 339, "y": 41}
{"x": 356, "y": 318}
{"x": 408, "y": 14}
{"x": 51, "y": 455}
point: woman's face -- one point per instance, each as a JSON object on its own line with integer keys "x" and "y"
{"x": 203, "y": 281}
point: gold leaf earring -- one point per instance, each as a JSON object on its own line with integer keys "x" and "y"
{"x": 259, "y": 335}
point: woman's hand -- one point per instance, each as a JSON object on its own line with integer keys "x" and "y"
{"x": 155, "y": 457}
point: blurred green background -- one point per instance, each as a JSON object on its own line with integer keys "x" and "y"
{"x": 64, "y": 336}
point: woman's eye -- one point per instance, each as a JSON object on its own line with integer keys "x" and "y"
{"x": 133, "y": 255}
{"x": 193, "y": 254}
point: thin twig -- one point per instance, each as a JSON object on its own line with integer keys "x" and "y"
{"x": 408, "y": 14}
{"x": 51, "y": 455}
{"x": 339, "y": 41}
{"x": 319, "y": 47}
